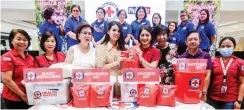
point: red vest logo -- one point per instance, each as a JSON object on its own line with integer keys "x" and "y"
{"x": 195, "y": 83}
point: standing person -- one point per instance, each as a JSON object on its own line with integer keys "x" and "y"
{"x": 183, "y": 30}
{"x": 206, "y": 30}
{"x": 141, "y": 19}
{"x": 194, "y": 52}
{"x": 71, "y": 25}
{"x": 173, "y": 35}
{"x": 52, "y": 24}
{"x": 50, "y": 56}
{"x": 156, "y": 20}
{"x": 12, "y": 64}
{"x": 148, "y": 55}
{"x": 126, "y": 28}
{"x": 227, "y": 81}
{"x": 108, "y": 53}
{"x": 99, "y": 26}
{"x": 167, "y": 55}
{"x": 81, "y": 54}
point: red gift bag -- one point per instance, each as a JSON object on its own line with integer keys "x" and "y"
{"x": 81, "y": 96}
{"x": 189, "y": 76}
{"x": 132, "y": 60}
{"x": 166, "y": 95}
{"x": 99, "y": 95}
{"x": 147, "y": 95}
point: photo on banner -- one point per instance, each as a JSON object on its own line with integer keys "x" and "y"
{"x": 194, "y": 7}
{"x": 113, "y": 6}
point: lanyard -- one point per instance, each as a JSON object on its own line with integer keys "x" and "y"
{"x": 225, "y": 69}
{"x": 48, "y": 60}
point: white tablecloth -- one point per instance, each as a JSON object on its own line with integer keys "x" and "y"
{"x": 179, "y": 106}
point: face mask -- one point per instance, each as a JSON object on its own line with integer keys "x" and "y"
{"x": 226, "y": 52}
{"x": 54, "y": 18}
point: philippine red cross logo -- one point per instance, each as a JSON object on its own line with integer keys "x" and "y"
{"x": 133, "y": 92}
{"x": 81, "y": 93}
{"x": 37, "y": 94}
{"x": 146, "y": 91}
{"x": 100, "y": 91}
{"x": 31, "y": 76}
{"x": 129, "y": 75}
{"x": 79, "y": 75}
{"x": 182, "y": 66}
{"x": 165, "y": 90}
{"x": 195, "y": 83}
{"x": 111, "y": 10}
{"x": 131, "y": 55}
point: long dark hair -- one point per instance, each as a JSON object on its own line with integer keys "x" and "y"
{"x": 144, "y": 9}
{"x": 44, "y": 37}
{"x": 120, "y": 41}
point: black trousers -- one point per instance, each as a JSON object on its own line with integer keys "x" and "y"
{"x": 9, "y": 104}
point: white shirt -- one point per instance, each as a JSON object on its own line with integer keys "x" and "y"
{"x": 84, "y": 60}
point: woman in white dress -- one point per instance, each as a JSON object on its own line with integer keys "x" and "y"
{"x": 82, "y": 55}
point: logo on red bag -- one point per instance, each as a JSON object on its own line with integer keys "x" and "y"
{"x": 81, "y": 93}
{"x": 133, "y": 92}
{"x": 165, "y": 90}
{"x": 129, "y": 75}
{"x": 79, "y": 75}
{"x": 146, "y": 91}
{"x": 31, "y": 75}
{"x": 195, "y": 83}
{"x": 37, "y": 94}
{"x": 182, "y": 66}
{"x": 100, "y": 91}
{"x": 131, "y": 55}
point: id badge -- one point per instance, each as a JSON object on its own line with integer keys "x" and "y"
{"x": 223, "y": 89}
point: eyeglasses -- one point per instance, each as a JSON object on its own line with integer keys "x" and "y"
{"x": 86, "y": 33}
{"x": 75, "y": 10}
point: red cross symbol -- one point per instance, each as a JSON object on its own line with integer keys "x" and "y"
{"x": 146, "y": 91}
{"x": 129, "y": 75}
{"x": 165, "y": 90}
{"x": 121, "y": 105}
{"x": 109, "y": 11}
{"x": 100, "y": 91}
{"x": 195, "y": 82}
{"x": 37, "y": 94}
{"x": 30, "y": 75}
{"x": 182, "y": 66}
{"x": 133, "y": 92}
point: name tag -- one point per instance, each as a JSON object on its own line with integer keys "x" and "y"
{"x": 202, "y": 27}
{"x": 125, "y": 27}
{"x": 143, "y": 23}
{"x": 184, "y": 28}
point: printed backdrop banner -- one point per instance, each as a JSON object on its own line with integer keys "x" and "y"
{"x": 194, "y": 7}
{"x": 61, "y": 8}
{"x": 113, "y": 6}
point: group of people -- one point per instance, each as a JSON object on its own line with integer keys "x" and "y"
{"x": 155, "y": 46}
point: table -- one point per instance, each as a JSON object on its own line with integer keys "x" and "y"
{"x": 179, "y": 106}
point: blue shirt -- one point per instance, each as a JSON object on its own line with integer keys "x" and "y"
{"x": 183, "y": 30}
{"x": 55, "y": 29}
{"x": 100, "y": 29}
{"x": 126, "y": 29}
{"x": 157, "y": 25}
{"x": 135, "y": 27}
{"x": 71, "y": 24}
{"x": 172, "y": 38}
{"x": 206, "y": 30}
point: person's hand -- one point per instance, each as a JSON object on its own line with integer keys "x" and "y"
{"x": 139, "y": 53}
{"x": 237, "y": 106}
{"x": 136, "y": 42}
{"x": 121, "y": 58}
{"x": 24, "y": 97}
{"x": 203, "y": 97}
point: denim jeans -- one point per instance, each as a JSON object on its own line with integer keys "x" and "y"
{"x": 221, "y": 104}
